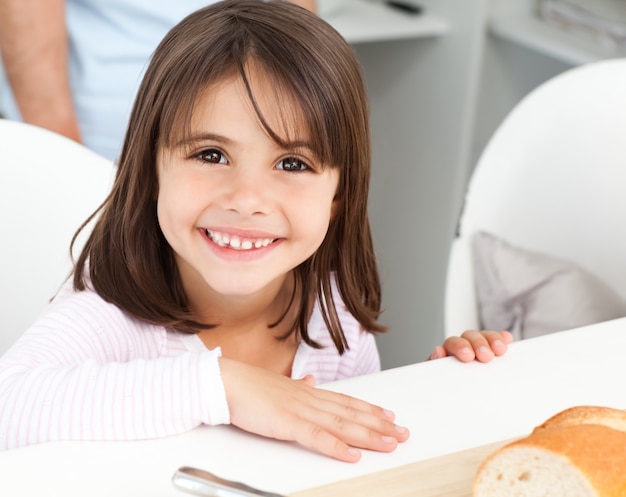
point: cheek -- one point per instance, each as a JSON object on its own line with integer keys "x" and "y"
{"x": 327, "y": 203}
{"x": 314, "y": 216}
{"x": 172, "y": 213}
{"x": 164, "y": 215}
{"x": 178, "y": 196}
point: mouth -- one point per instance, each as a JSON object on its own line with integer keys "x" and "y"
{"x": 236, "y": 242}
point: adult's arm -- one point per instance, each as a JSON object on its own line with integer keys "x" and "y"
{"x": 307, "y": 4}
{"x": 34, "y": 48}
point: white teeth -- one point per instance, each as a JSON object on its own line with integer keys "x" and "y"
{"x": 236, "y": 243}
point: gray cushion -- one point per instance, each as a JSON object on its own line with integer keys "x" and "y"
{"x": 531, "y": 294}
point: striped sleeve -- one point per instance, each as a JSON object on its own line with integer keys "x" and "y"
{"x": 86, "y": 371}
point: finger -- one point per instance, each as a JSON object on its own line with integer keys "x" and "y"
{"x": 479, "y": 343}
{"x": 343, "y": 416}
{"x": 329, "y": 429}
{"x": 459, "y": 348}
{"x": 366, "y": 430}
{"x": 438, "y": 353}
{"x": 309, "y": 379}
{"x": 498, "y": 341}
{"x": 360, "y": 424}
{"x": 337, "y": 425}
{"x": 314, "y": 437}
{"x": 337, "y": 403}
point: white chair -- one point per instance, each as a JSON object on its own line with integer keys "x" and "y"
{"x": 49, "y": 186}
{"x": 551, "y": 179}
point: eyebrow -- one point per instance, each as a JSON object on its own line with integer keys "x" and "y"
{"x": 199, "y": 137}
{"x": 299, "y": 144}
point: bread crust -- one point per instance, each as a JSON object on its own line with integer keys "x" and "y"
{"x": 590, "y": 441}
{"x": 606, "y": 416}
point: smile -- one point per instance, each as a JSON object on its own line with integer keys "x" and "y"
{"x": 237, "y": 243}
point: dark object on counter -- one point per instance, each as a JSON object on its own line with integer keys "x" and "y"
{"x": 406, "y": 7}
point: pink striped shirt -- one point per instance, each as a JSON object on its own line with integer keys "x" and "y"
{"x": 88, "y": 371}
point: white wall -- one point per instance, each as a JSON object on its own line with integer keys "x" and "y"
{"x": 435, "y": 103}
{"x": 422, "y": 95}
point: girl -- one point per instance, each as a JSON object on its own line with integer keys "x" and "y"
{"x": 232, "y": 255}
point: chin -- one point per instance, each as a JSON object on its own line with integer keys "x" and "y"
{"x": 237, "y": 287}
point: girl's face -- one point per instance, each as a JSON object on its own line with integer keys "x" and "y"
{"x": 239, "y": 211}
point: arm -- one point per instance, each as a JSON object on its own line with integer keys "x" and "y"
{"x": 307, "y": 4}
{"x": 50, "y": 395}
{"x": 34, "y": 47}
{"x": 480, "y": 345}
{"x": 143, "y": 399}
{"x": 87, "y": 372}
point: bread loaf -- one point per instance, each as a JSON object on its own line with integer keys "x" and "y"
{"x": 579, "y": 452}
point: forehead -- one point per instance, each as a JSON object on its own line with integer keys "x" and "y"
{"x": 270, "y": 102}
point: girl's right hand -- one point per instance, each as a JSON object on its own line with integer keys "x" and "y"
{"x": 331, "y": 423}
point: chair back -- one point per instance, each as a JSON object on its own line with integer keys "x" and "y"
{"x": 50, "y": 185}
{"x": 551, "y": 179}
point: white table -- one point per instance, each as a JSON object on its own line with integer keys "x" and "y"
{"x": 448, "y": 406}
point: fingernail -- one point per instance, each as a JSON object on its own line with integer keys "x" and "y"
{"x": 401, "y": 429}
{"x": 466, "y": 351}
{"x": 389, "y": 440}
{"x": 484, "y": 351}
{"x": 354, "y": 452}
{"x": 389, "y": 414}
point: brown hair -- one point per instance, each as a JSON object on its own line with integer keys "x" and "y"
{"x": 131, "y": 265}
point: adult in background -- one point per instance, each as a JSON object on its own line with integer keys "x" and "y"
{"x": 73, "y": 66}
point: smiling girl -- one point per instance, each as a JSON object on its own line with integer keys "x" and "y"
{"x": 231, "y": 267}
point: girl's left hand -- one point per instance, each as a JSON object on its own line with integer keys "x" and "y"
{"x": 480, "y": 345}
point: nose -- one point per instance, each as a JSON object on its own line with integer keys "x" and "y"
{"x": 247, "y": 192}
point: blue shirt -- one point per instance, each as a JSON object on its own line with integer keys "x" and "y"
{"x": 110, "y": 43}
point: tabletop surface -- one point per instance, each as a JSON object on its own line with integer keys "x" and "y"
{"x": 448, "y": 406}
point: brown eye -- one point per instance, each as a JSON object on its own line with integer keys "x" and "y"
{"x": 292, "y": 164}
{"x": 212, "y": 155}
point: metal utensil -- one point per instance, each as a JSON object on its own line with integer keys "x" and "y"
{"x": 200, "y": 482}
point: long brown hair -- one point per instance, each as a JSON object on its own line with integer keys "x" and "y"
{"x": 129, "y": 262}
